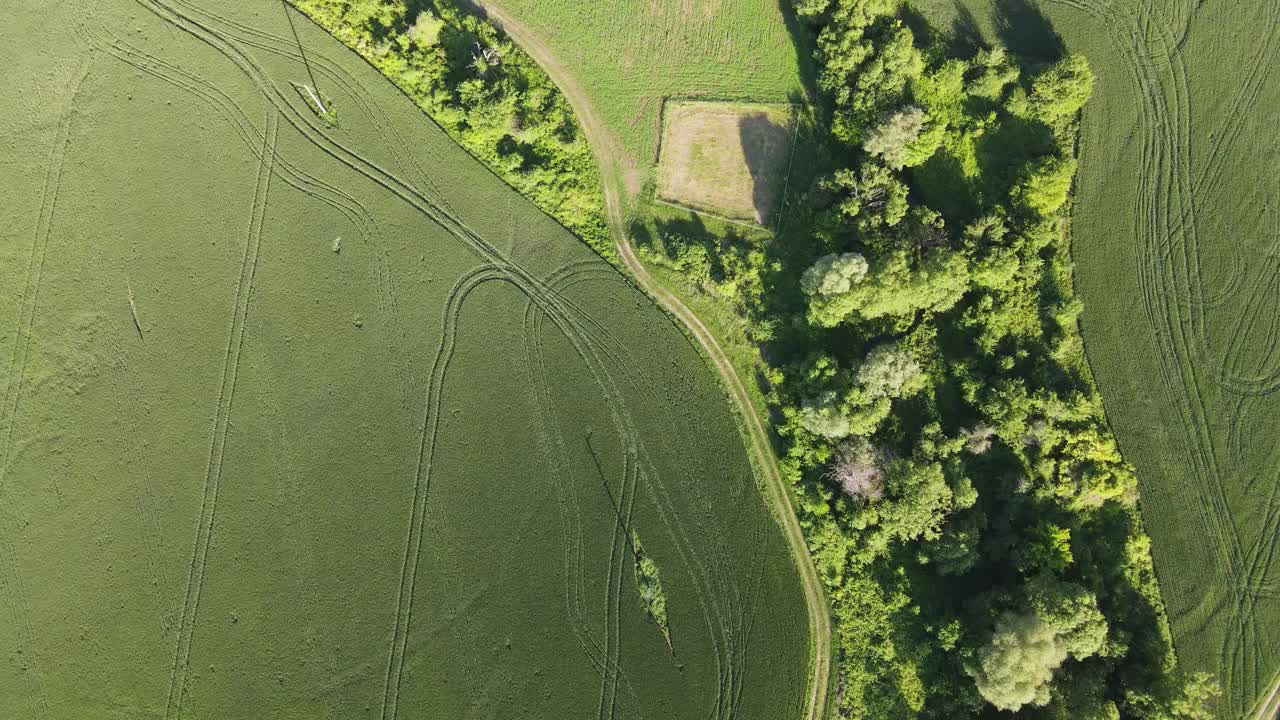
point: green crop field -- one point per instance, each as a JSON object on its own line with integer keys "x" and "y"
{"x": 628, "y": 56}
{"x": 305, "y": 414}
{"x": 1176, "y": 244}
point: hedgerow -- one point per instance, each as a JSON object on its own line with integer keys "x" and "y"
{"x": 486, "y": 92}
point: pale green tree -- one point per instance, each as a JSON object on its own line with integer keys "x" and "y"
{"x": 823, "y": 415}
{"x": 834, "y": 274}
{"x": 1016, "y": 667}
{"x": 888, "y": 371}
{"x": 904, "y": 138}
{"x": 897, "y": 287}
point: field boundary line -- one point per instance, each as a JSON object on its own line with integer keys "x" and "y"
{"x": 221, "y": 423}
{"x": 710, "y": 214}
{"x": 766, "y": 461}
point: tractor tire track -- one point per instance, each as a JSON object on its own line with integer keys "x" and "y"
{"x": 1170, "y": 277}
{"x": 222, "y": 104}
{"x": 567, "y": 317}
{"x": 222, "y": 417}
{"x": 335, "y": 73}
{"x": 428, "y": 431}
{"x": 13, "y": 593}
{"x": 707, "y": 596}
{"x": 553, "y": 447}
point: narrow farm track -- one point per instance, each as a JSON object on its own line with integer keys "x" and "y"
{"x": 1269, "y": 708}
{"x": 221, "y": 425}
{"x": 607, "y": 152}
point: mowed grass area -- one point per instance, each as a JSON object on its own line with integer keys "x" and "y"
{"x": 724, "y": 158}
{"x": 1175, "y": 240}
{"x": 311, "y": 422}
{"x": 629, "y": 56}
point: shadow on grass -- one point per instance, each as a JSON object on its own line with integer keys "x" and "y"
{"x": 1027, "y": 31}
{"x": 965, "y": 37}
{"x": 803, "y": 39}
{"x": 765, "y": 147}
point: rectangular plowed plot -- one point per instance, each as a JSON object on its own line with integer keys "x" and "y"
{"x": 724, "y": 158}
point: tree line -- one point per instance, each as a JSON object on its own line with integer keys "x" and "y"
{"x": 483, "y": 90}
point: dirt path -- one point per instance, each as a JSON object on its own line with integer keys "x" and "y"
{"x": 1269, "y": 709}
{"x": 613, "y": 168}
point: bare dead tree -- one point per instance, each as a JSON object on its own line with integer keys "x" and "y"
{"x": 859, "y": 468}
{"x": 484, "y": 58}
{"x": 978, "y": 438}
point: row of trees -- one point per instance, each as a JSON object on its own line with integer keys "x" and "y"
{"x": 485, "y": 92}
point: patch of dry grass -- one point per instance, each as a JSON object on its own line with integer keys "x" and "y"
{"x": 724, "y": 158}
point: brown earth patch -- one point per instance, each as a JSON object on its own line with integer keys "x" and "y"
{"x": 724, "y": 158}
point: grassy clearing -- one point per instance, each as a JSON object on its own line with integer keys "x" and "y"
{"x": 629, "y": 56}
{"x": 1175, "y": 246}
{"x": 304, "y": 421}
{"x": 724, "y": 158}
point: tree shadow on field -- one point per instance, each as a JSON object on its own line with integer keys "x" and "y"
{"x": 802, "y": 38}
{"x": 966, "y": 37}
{"x": 925, "y": 35}
{"x": 1027, "y": 31}
{"x": 764, "y": 147}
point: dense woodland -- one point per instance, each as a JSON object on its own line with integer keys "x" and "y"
{"x": 485, "y": 92}
{"x": 963, "y": 496}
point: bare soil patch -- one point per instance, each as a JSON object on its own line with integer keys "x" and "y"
{"x": 724, "y": 158}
